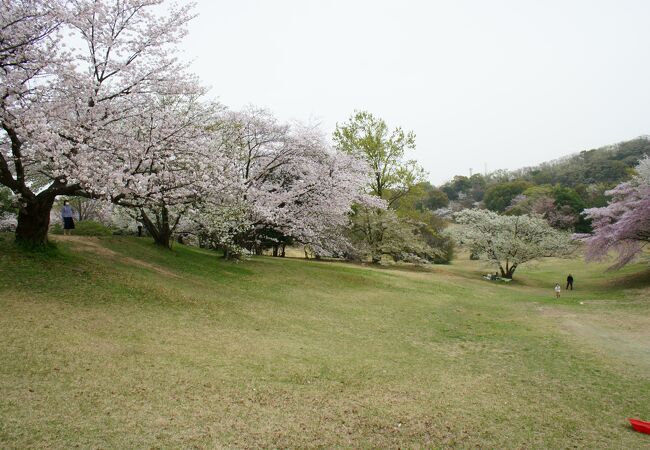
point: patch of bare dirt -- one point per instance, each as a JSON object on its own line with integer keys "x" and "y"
{"x": 92, "y": 245}
{"x": 618, "y": 335}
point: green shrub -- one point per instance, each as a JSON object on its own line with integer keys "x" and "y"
{"x": 84, "y": 228}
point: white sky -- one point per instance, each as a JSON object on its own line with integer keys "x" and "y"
{"x": 507, "y": 83}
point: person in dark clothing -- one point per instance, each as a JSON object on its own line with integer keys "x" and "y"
{"x": 66, "y": 217}
{"x": 569, "y": 282}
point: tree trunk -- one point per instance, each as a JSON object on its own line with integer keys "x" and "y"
{"x": 34, "y": 221}
{"x": 163, "y": 238}
{"x": 275, "y": 250}
{"x": 160, "y": 232}
{"x": 283, "y": 250}
{"x": 508, "y": 272}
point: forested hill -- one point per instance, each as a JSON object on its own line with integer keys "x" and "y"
{"x": 590, "y": 170}
{"x": 609, "y": 165}
{"x": 559, "y": 190}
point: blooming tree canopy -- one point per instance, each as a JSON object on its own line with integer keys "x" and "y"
{"x": 624, "y": 224}
{"x": 168, "y": 163}
{"x": 30, "y": 64}
{"x": 291, "y": 188}
{"x": 509, "y": 241}
{"x": 95, "y": 103}
{"x": 558, "y": 216}
{"x": 64, "y": 109}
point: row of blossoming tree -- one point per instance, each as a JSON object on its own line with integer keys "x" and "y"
{"x": 95, "y": 103}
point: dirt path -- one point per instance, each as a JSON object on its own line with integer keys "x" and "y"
{"x": 92, "y": 245}
{"x": 618, "y": 335}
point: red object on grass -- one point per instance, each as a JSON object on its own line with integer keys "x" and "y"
{"x": 640, "y": 425}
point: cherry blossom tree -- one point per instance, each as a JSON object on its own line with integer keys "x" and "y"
{"x": 109, "y": 112}
{"x": 623, "y": 225}
{"x": 558, "y": 216}
{"x": 292, "y": 188}
{"x": 219, "y": 222}
{"x": 312, "y": 193}
{"x": 255, "y": 146}
{"x": 168, "y": 163}
{"x": 64, "y": 112}
{"x": 320, "y": 198}
{"x": 30, "y": 61}
{"x": 7, "y": 221}
{"x": 509, "y": 241}
{"x": 90, "y": 209}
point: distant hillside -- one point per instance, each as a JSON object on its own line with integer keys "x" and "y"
{"x": 559, "y": 190}
{"x": 610, "y": 164}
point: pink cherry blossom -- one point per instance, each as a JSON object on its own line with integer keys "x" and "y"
{"x": 623, "y": 226}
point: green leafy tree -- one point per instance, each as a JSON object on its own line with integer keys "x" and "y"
{"x": 570, "y": 200}
{"x": 457, "y": 185}
{"x": 368, "y": 138}
{"x": 478, "y": 186}
{"x": 433, "y": 199}
{"x": 499, "y": 196}
{"x": 416, "y": 209}
{"x": 560, "y": 206}
{"x": 566, "y": 196}
{"x": 594, "y": 194}
{"x": 422, "y": 196}
{"x": 406, "y": 231}
{"x": 380, "y": 233}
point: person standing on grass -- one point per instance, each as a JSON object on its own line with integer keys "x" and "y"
{"x": 66, "y": 217}
{"x": 557, "y": 290}
{"x": 569, "y": 282}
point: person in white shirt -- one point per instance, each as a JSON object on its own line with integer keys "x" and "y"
{"x": 66, "y": 218}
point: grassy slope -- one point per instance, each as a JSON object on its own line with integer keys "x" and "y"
{"x": 114, "y": 344}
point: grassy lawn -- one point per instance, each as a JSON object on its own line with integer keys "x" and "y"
{"x": 112, "y": 343}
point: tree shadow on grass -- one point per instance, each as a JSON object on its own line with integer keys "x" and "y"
{"x": 629, "y": 281}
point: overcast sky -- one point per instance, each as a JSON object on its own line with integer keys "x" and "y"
{"x": 502, "y": 83}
